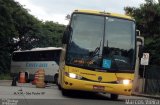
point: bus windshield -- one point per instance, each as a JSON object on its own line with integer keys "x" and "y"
{"x": 101, "y": 42}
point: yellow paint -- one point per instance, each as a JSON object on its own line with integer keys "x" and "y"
{"x": 92, "y": 79}
{"x": 104, "y": 13}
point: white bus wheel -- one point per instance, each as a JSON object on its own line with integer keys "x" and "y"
{"x": 56, "y": 79}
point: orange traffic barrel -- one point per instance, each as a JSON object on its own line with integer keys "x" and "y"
{"x": 41, "y": 77}
{"x": 35, "y": 78}
{"x": 22, "y": 78}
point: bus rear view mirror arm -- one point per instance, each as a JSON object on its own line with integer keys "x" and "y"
{"x": 141, "y": 50}
{"x": 67, "y": 32}
{"x": 138, "y": 33}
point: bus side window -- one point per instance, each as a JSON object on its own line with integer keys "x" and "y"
{"x": 32, "y": 56}
{"x": 57, "y": 56}
{"x": 14, "y": 57}
{"x": 21, "y": 56}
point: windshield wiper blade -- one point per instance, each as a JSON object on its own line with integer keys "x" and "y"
{"x": 96, "y": 51}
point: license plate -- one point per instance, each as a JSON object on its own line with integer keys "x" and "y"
{"x": 98, "y": 88}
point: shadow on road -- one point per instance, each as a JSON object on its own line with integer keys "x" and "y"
{"x": 88, "y": 95}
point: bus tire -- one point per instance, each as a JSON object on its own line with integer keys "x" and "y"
{"x": 65, "y": 92}
{"x": 59, "y": 87}
{"x": 56, "y": 79}
{"x": 114, "y": 96}
{"x": 27, "y": 77}
{"x": 18, "y": 76}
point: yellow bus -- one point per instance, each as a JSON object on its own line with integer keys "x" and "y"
{"x": 99, "y": 53}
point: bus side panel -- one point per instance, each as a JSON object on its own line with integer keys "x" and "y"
{"x": 62, "y": 66}
{"x": 50, "y": 67}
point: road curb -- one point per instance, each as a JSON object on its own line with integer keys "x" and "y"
{"x": 146, "y": 95}
{"x": 5, "y": 80}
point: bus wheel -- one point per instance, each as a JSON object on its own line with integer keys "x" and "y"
{"x": 18, "y": 76}
{"x": 27, "y": 77}
{"x": 114, "y": 96}
{"x": 65, "y": 92}
{"x": 59, "y": 87}
{"x": 56, "y": 79}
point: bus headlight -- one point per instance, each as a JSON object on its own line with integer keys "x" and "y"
{"x": 125, "y": 81}
{"x": 75, "y": 76}
{"x": 72, "y": 75}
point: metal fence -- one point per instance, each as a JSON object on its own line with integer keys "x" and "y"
{"x": 152, "y": 80}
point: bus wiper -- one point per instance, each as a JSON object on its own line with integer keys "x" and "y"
{"x": 94, "y": 56}
{"x": 96, "y": 51}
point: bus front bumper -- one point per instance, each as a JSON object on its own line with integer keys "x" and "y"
{"x": 75, "y": 84}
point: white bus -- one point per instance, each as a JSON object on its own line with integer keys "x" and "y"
{"x": 30, "y": 61}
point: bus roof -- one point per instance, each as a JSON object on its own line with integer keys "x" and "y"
{"x": 41, "y": 49}
{"x": 104, "y": 13}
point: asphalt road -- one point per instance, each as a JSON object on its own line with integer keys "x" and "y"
{"x": 28, "y": 94}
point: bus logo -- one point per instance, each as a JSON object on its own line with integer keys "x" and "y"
{"x": 36, "y": 65}
{"x": 99, "y": 78}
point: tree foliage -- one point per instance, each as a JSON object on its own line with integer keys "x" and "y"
{"x": 19, "y": 30}
{"x": 147, "y": 17}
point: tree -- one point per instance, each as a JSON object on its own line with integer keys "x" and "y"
{"x": 147, "y": 17}
{"x": 19, "y": 30}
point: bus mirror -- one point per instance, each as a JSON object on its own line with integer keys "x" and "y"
{"x": 141, "y": 49}
{"x": 138, "y": 33}
{"x": 68, "y": 17}
{"x": 65, "y": 38}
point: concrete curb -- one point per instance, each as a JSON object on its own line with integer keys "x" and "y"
{"x": 5, "y": 80}
{"x": 146, "y": 95}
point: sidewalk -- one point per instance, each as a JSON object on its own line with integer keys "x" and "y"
{"x": 5, "y": 82}
{"x": 146, "y": 95}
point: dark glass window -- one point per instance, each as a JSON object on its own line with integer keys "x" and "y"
{"x": 119, "y": 43}
{"x": 85, "y": 48}
{"x": 50, "y": 55}
{"x": 101, "y": 42}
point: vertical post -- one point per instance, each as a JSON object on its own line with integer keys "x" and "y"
{"x": 143, "y": 83}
